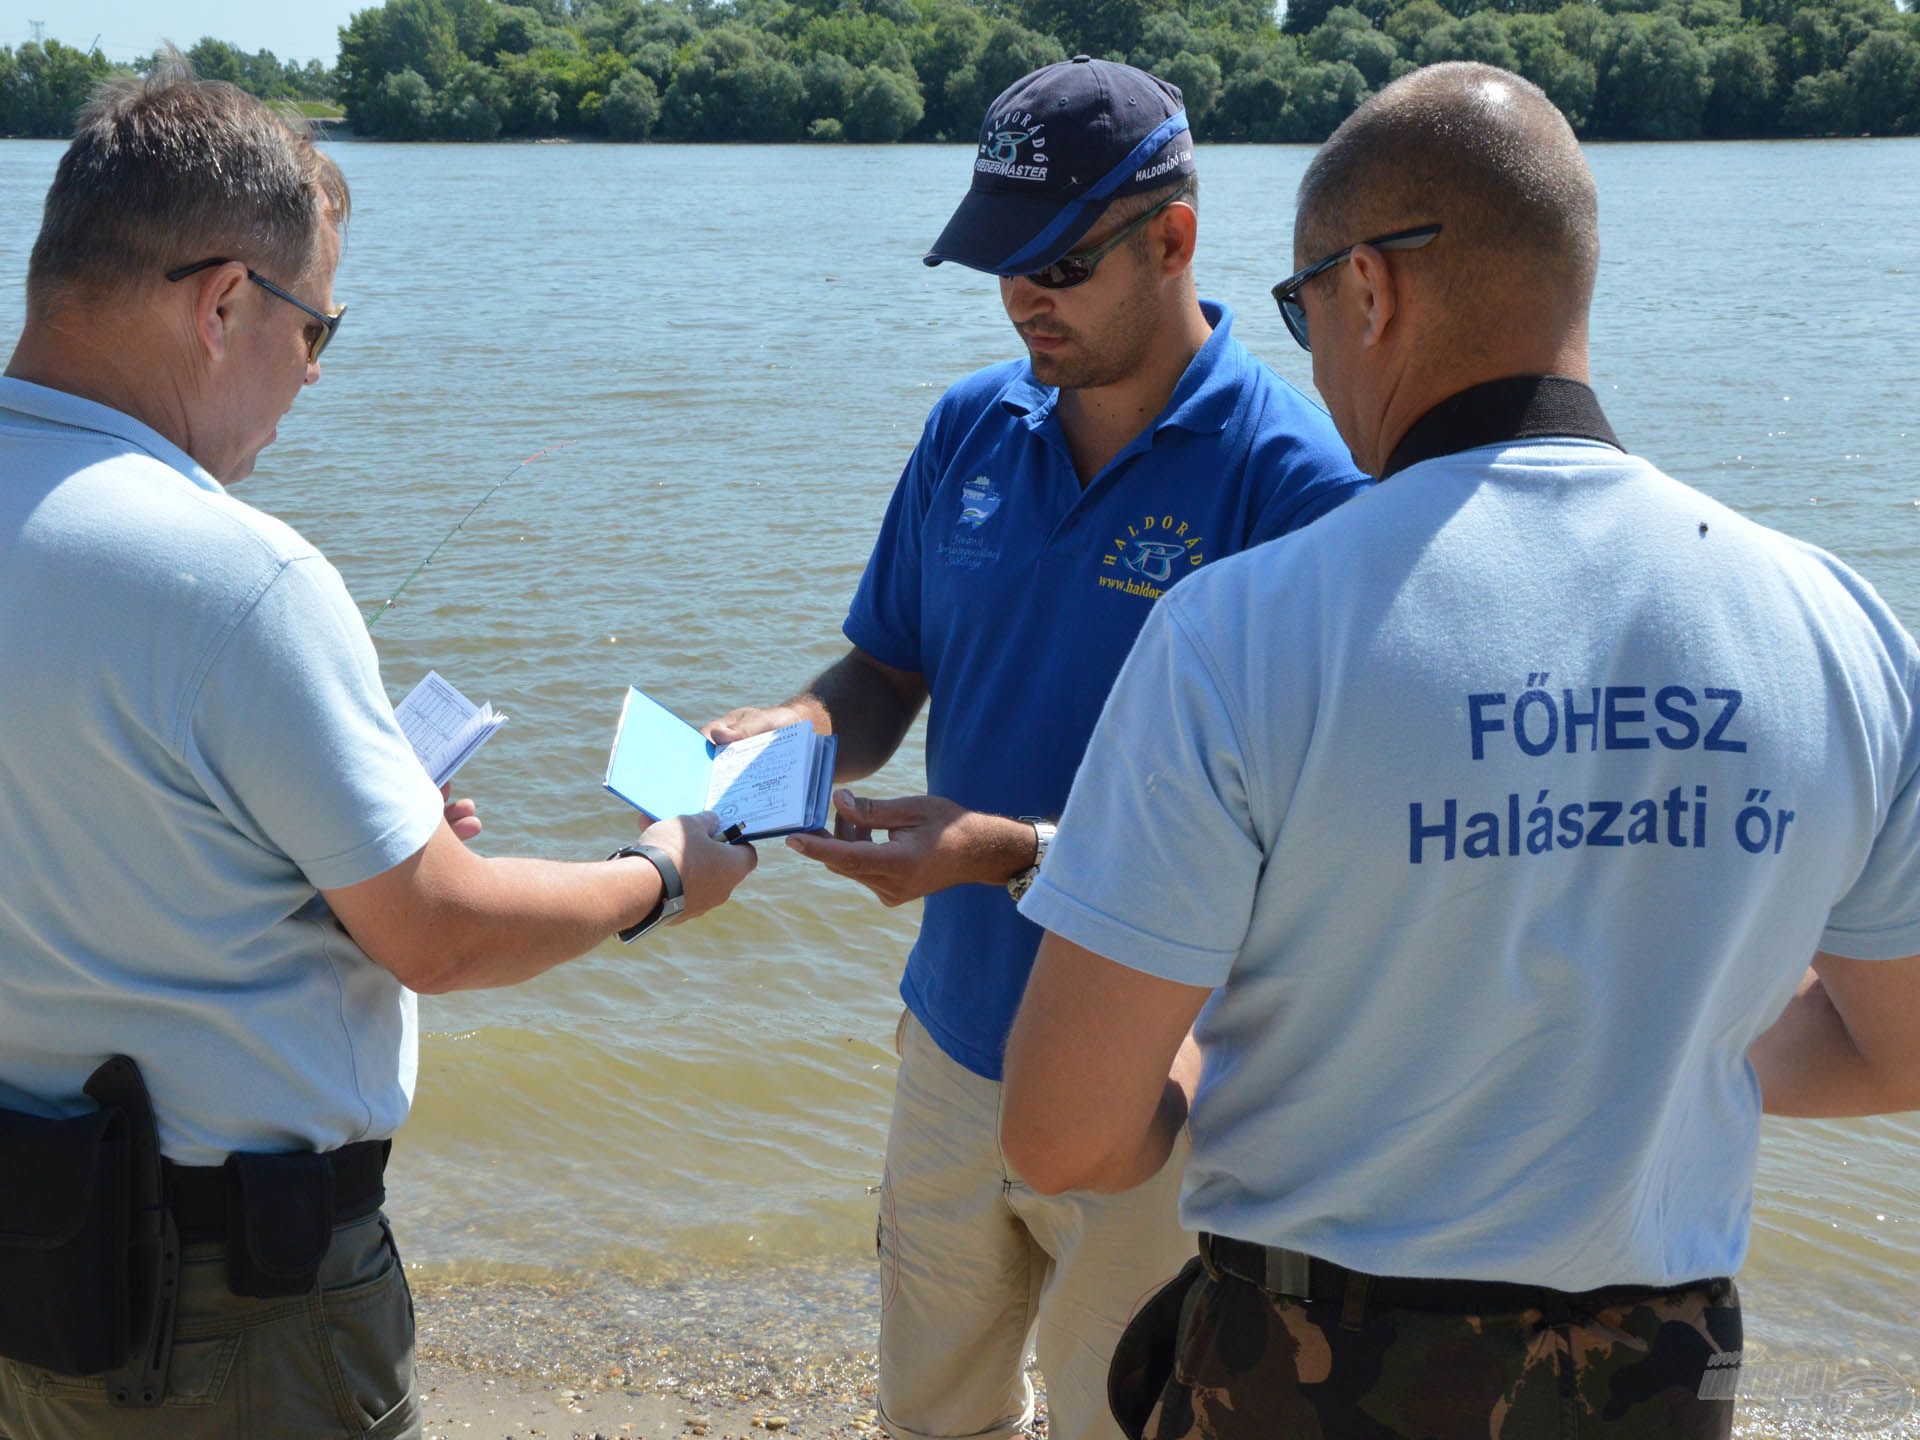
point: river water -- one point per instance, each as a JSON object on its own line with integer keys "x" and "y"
{"x": 733, "y": 349}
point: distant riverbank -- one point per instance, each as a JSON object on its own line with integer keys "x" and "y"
{"x": 878, "y": 71}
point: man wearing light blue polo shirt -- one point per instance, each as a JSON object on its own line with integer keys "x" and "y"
{"x": 220, "y": 860}
{"x": 1048, "y": 505}
{"x": 1453, "y": 912}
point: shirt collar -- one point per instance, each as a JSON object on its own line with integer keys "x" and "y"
{"x": 1523, "y": 407}
{"x": 58, "y": 407}
{"x": 1203, "y": 401}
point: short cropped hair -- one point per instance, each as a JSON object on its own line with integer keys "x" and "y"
{"x": 169, "y": 169}
{"x": 1132, "y": 207}
{"x": 1478, "y": 150}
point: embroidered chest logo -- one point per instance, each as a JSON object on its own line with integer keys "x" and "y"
{"x": 1007, "y": 135}
{"x": 965, "y": 547}
{"x": 978, "y": 501}
{"x": 1153, "y": 553}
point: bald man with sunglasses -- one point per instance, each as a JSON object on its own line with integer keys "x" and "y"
{"x": 1519, "y": 846}
{"x": 1049, "y": 503}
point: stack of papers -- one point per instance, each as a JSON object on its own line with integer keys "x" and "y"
{"x": 771, "y": 784}
{"x": 444, "y": 727}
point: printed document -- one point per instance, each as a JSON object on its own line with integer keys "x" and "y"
{"x": 444, "y": 727}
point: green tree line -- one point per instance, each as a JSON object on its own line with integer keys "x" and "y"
{"x": 883, "y": 70}
{"x": 879, "y": 70}
{"x": 42, "y": 85}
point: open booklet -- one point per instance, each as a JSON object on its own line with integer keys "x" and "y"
{"x": 771, "y": 784}
{"x": 443, "y": 726}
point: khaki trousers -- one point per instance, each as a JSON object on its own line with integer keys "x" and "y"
{"x": 973, "y": 1264}
{"x": 337, "y": 1361}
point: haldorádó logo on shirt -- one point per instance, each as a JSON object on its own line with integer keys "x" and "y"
{"x": 1158, "y": 551}
{"x": 978, "y": 501}
{"x": 1000, "y": 151}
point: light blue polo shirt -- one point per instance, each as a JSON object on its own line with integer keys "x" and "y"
{"x": 194, "y": 740}
{"x": 1500, "y": 855}
{"x": 1017, "y": 594}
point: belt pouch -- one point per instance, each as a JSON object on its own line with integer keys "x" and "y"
{"x": 152, "y": 1245}
{"x": 1144, "y": 1358}
{"x": 279, "y": 1223}
{"x": 64, "y": 1232}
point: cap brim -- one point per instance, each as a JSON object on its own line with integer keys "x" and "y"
{"x": 990, "y": 227}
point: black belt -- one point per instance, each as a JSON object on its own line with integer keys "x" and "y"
{"x": 202, "y": 1197}
{"x": 1306, "y": 1277}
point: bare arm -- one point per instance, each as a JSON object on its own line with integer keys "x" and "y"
{"x": 1101, "y": 1069}
{"x": 448, "y": 919}
{"x": 1848, "y": 1042}
{"x": 868, "y": 705}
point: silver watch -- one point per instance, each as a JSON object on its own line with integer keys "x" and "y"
{"x": 1043, "y": 833}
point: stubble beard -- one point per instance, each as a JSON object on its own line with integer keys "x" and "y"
{"x": 1113, "y": 349}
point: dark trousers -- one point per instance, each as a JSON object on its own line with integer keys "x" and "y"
{"x": 1217, "y": 1356}
{"x": 336, "y": 1361}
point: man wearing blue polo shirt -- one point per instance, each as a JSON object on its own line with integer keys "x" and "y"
{"x": 1049, "y": 502}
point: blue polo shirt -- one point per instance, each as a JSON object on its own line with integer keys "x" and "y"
{"x": 1017, "y": 593}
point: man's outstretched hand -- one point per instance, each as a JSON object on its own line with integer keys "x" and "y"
{"x": 931, "y": 844}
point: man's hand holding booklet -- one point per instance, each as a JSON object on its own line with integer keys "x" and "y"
{"x": 770, "y": 784}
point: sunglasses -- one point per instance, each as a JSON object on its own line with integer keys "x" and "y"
{"x": 319, "y": 334}
{"x": 1287, "y": 293}
{"x": 1077, "y": 268}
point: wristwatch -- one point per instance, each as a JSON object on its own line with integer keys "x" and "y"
{"x": 672, "y": 898}
{"x": 1043, "y": 832}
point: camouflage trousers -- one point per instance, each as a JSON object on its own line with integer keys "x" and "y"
{"x": 1215, "y": 1357}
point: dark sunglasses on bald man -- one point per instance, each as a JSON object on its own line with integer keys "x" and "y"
{"x": 1287, "y": 293}
{"x": 1077, "y": 268}
{"x": 319, "y": 335}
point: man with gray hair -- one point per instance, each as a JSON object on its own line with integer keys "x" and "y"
{"x": 1489, "y": 878}
{"x": 223, "y": 873}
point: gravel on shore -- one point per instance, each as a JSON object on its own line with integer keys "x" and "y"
{"x": 731, "y": 1354}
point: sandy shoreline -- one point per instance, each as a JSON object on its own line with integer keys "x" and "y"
{"x": 460, "y": 1403}
{"x": 744, "y": 1353}
{"x": 726, "y": 1355}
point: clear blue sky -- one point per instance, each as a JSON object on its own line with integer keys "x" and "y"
{"x": 300, "y": 30}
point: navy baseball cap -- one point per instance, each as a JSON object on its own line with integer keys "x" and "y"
{"x": 1057, "y": 148}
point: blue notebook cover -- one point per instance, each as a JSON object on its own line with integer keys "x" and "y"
{"x": 663, "y": 767}
{"x": 660, "y": 764}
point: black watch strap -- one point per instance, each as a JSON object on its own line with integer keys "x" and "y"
{"x": 673, "y": 898}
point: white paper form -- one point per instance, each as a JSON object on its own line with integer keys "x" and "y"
{"x": 760, "y": 781}
{"x": 443, "y": 726}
